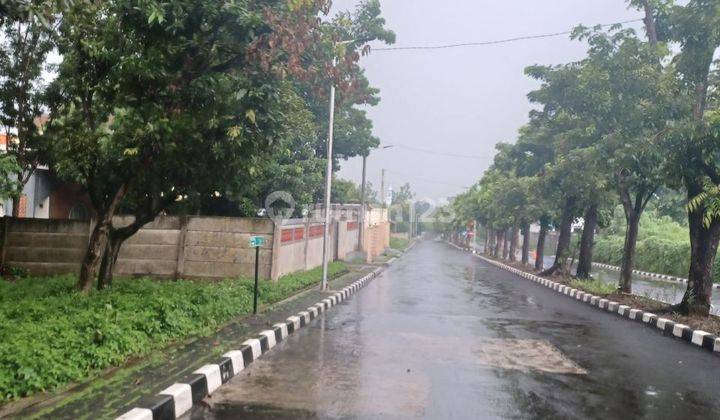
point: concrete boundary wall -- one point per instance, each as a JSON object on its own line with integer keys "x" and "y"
{"x": 44, "y": 246}
{"x": 300, "y": 246}
{"x": 192, "y": 247}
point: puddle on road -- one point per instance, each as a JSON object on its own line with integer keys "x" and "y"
{"x": 526, "y": 355}
{"x": 505, "y": 353}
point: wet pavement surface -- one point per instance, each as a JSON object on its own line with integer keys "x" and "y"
{"x": 442, "y": 334}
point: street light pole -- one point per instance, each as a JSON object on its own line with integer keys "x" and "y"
{"x": 328, "y": 173}
{"x": 382, "y": 187}
{"x": 328, "y": 185}
{"x": 361, "y": 231}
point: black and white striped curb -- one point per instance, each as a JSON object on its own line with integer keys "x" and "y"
{"x": 697, "y": 337}
{"x": 179, "y": 398}
{"x": 409, "y": 247}
{"x": 657, "y": 276}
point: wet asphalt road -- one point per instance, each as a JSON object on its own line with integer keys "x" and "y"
{"x": 443, "y": 335}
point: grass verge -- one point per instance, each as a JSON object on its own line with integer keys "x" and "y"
{"x": 51, "y": 335}
{"x": 399, "y": 243}
{"x": 595, "y": 287}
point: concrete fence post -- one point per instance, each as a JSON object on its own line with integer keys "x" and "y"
{"x": 180, "y": 264}
{"x": 306, "y": 237}
{"x": 337, "y": 238}
{"x": 275, "y": 251}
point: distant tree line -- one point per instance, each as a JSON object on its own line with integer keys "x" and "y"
{"x": 636, "y": 119}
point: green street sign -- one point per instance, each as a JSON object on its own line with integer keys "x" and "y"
{"x": 256, "y": 241}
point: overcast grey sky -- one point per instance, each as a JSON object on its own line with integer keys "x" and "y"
{"x": 464, "y": 100}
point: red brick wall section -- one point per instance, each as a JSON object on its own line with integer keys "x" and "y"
{"x": 292, "y": 235}
{"x": 352, "y": 225}
{"x": 22, "y": 211}
{"x": 65, "y": 197}
{"x": 299, "y": 234}
{"x": 316, "y": 231}
{"x": 378, "y": 238}
{"x": 286, "y": 235}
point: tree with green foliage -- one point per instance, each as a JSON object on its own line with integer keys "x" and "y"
{"x": 9, "y": 186}
{"x": 347, "y": 192}
{"x": 403, "y": 195}
{"x": 574, "y": 140}
{"x": 532, "y": 152}
{"x": 296, "y": 165}
{"x": 632, "y": 100}
{"x": 694, "y": 142}
{"x": 156, "y": 101}
{"x": 26, "y": 39}
{"x": 346, "y": 40}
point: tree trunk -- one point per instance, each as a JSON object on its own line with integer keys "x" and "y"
{"x": 488, "y": 240}
{"x": 562, "y": 252}
{"x": 505, "y": 244}
{"x": 587, "y": 243}
{"x": 112, "y": 250}
{"x": 512, "y": 253}
{"x": 649, "y": 21}
{"x": 498, "y": 243}
{"x": 97, "y": 244}
{"x": 526, "y": 244}
{"x": 16, "y": 206}
{"x": 703, "y": 249}
{"x": 540, "y": 252}
{"x": 628, "y": 258}
{"x": 94, "y": 253}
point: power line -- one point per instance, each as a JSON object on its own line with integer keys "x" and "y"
{"x": 436, "y": 153}
{"x": 495, "y": 42}
{"x": 426, "y": 179}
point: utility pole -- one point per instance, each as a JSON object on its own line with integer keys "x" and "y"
{"x": 382, "y": 187}
{"x": 328, "y": 185}
{"x": 328, "y": 175}
{"x": 411, "y": 232}
{"x": 474, "y": 242}
{"x": 361, "y": 231}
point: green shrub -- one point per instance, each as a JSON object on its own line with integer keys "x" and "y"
{"x": 9, "y": 272}
{"x": 51, "y": 335}
{"x": 663, "y": 246}
{"x": 399, "y": 243}
{"x": 596, "y": 287}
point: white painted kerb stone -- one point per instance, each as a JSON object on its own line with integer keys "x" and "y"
{"x": 254, "y": 344}
{"x": 212, "y": 374}
{"x": 283, "y": 329}
{"x": 698, "y": 336}
{"x": 295, "y": 320}
{"x": 270, "y": 335}
{"x": 678, "y": 329}
{"x": 182, "y": 397}
{"x": 237, "y": 360}
{"x": 137, "y": 414}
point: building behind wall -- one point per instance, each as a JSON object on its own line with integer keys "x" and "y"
{"x": 44, "y": 195}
